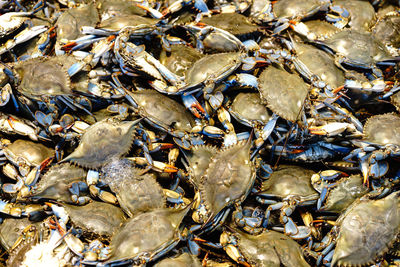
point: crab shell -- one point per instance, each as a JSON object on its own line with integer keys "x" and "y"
{"x": 135, "y": 192}
{"x": 118, "y": 22}
{"x": 163, "y": 112}
{"x": 248, "y": 109}
{"x": 198, "y": 160}
{"x": 362, "y": 13}
{"x": 70, "y": 22}
{"x": 144, "y": 237}
{"x": 182, "y": 260}
{"x": 360, "y": 49}
{"x": 297, "y": 9}
{"x": 216, "y": 66}
{"x": 395, "y": 99}
{"x": 234, "y": 23}
{"x": 320, "y": 63}
{"x": 380, "y": 224}
{"x": 275, "y": 83}
{"x": 42, "y": 77}
{"x": 96, "y": 217}
{"x": 387, "y": 30}
{"x": 228, "y": 178}
{"x": 54, "y": 184}
{"x": 180, "y": 58}
{"x": 11, "y": 229}
{"x": 383, "y": 129}
{"x": 270, "y": 248}
{"x": 33, "y": 154}
{"x": 289, "y": 180}
{"x": 345, "y": 193}
{"x": 321, "y": 29}
{"x": 102, "y": 142}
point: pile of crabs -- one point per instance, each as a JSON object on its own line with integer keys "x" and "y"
{"x": 200, "y": 133}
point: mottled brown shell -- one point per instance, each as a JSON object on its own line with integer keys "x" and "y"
{"x": 182, "y": 260}
{"x": 383, "y": 129}
{"x": 11, "y": 229}
{"x": 248, "y": 109}
{"x": 96, "y": 217}
{"x": 163, "y": 111}
{"x": 362, "y": 13}
{"x": 368, "y": 229}
{"x": 118, "y": 22}
{"x": 135, "y": 192}
{"x": 346, "y": 192}
{"x": 103, "y": 142}
{"x": 198, "y": 160}
{"x": 321, "y": 29}
{"x": 180, "y": 58}
{"x": 54, "y": 184}
{"x": 270, "y": 249}
{"x": 42, "y": 77}
{"x": 234, "y": 23}
{"x": 295, "y": 9}
{"x": 284, "y": 92}
{"x": 289, "y": 180}
{"x": 145, "y": 233}
{"x": 228, "y": 179}
{"x": 359, "y": 48}
{"x": 320, "y": 63}
{"x": 32, "y": 153}
{"x": 70, "y": 21}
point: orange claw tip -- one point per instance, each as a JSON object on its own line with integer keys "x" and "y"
{"x": 170, "y": 169}
{"x": 336, "y": 90}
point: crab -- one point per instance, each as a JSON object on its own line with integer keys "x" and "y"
{"x": 380, "y": 223}
{"x": 12, "y": 230}
{"x": 69, "y": 23}
{"x": 290, "y": 85}
{"x": 13, "y": 125}
{"x": 103, "y": 141}
{"x": 146, "y": 236}
{"x": 287, "y": 188}
{"x": 248, "y": 109}
{"x": 337, "y": 191}
{"x": 361, "y": 13}
{"x": 29, "y": 158}
{"x": 269, "y": 248}
{"x": 137, "y": 192}
{"x": 185, "y": 259}
{"x": 359, "y": 50}
{"x": 44, "y": 83}
{"x": 62, "y": 182}
{"x": 226, "y": 183}
{"x": 96, "y": 217}
{"x": 386, "y": 30}
{"x": 377, "y": 146}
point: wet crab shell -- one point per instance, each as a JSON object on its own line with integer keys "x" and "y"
{"x": 102, "y": 142}
{"x": 11, "y": 229}
{"x": 42, "y": 77}
{"x": 228, "y": 178}
{"x": 17, "y": 255}
{"x": 234, "y": 23}
{"x": 270, "y": 248}
{"x": 199, "y": 160}
{"x": 345, "y": 193}
{"x": 212, "y": 66}
{"x": 70, "y": 22}
{"x": 320, "y": 63}
{"x": 395, "y": 100}
{"x": 54, "y": 184}
{"x": 136, "y": 192}
{"x": 119, "y": 22}
{"x": 183, "y": 260}
{"x": 297, "y": 9}
{"x": 289, "y": 180}
{"x": 380, "y": 224}
{"x": 275, "y": 83}
{"x": 180, "y": 58}
{"x": 360, "y": 49}
{"x": 321, "y": 29}
{"x": 144, "y": 236}
{"x": 96, "y": 217}
{"x": 32, "y": 153}
{"x": 118, "y": 8}
{"x": 362, "y": 13}
{"x": 387, "y": 30}
{"x": 383, "y": 129}
{"x": 248, "y": 109}
{"x": 163, "y": 112}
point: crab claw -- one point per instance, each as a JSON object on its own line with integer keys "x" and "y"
{"x": 194, "y": 106}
